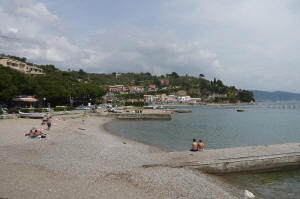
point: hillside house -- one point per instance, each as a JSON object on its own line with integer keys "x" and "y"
{"x": 116, "y": 88}
{"x": 20, "y": 66}
{"x": 164, "y": 82}
{"x": 152, "y": 87}
{"x": 136, "y": 89}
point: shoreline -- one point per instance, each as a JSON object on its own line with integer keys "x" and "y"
{"x": 228, "y": 185}
{"x": 83, "y": 161}
{"x": 111, "y": 120}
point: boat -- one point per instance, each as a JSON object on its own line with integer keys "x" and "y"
{"x": 240, "y": 110}
{"x": 31, "y": 115}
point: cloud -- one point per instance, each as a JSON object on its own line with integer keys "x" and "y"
{"x": 256, "y": 41}
{"x": 29, "y": 29}
{"x": 251, "y": 44}
{"x": 135, "y": 49}
{"x": 25, "y": 32}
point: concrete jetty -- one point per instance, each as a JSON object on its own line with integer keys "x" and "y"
{"x": 180, "y": 110}
{"x": 143, "y": 116}
{"x": 240, "y": 159}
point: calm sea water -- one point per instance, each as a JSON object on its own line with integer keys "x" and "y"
{"x": 223, "y": 127}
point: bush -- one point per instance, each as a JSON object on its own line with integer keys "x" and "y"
{"x": 38, "y": 110}
{"x": 1, "y": 112}
{"x": 25, "y": 110}
{"x": 139, "y": 104}
{"x": 13, "y": 110}
{"x": 62, "y": 108}
{"x": 70, "y": 108}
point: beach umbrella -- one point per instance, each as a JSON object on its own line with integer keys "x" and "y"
{"x": 26, "y": 99}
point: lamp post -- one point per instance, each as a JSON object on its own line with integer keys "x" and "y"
{"x": 44, "y": 101}
{"x": 70, "y": 88}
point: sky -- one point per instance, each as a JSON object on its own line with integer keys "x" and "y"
{"x": 250, "y": 44}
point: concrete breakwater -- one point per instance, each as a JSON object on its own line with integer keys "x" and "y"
{"x": 143, "y": 116}
{"x": 240, "y": 159}
{"x": 180, "y": 110}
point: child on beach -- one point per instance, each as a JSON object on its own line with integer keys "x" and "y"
{"x": 83, "y": 118}
{"x": 49, "y": 121}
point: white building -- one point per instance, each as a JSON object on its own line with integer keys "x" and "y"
{"x": 183, "y": 99}
{"x": 20, "y": 66}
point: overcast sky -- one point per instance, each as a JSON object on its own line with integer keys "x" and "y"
{"x": 251, "y": 44}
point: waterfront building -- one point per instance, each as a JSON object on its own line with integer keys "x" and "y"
{"x": 171, "y": 99}
{"x": 148, "y": 99}
{"x": 195, "y": 101}
{"x": 183, "y": 99}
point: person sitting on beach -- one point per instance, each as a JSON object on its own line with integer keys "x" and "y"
{"x": 201, "y": 145}
{"x": 194, "y": 145}
{"x": 34, "y": 132}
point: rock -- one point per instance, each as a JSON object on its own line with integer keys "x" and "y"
{"x": 248, "y": 194}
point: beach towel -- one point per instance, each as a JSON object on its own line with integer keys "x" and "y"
{"x": 33, "y": 137}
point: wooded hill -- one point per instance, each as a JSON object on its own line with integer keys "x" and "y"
{"x": 59, "y": 86}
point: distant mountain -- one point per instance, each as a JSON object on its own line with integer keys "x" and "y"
{"x": 275, "y": 96}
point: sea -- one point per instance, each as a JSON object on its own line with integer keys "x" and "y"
{"x": 221, "y": 126}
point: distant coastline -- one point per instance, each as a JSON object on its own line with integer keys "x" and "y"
{"x": 262, "y": 96}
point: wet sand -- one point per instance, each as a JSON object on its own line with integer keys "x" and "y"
{"x": 84, "y": 161}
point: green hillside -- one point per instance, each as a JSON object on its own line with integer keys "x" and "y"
{"x": 59, "y": 86}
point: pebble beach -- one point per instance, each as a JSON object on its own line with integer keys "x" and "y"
{"x": 78, "y": 160}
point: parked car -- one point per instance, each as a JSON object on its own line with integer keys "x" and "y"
{"x": 81, "y": 107}
{"x": 104, "y": 106}
{"x": 113, "y": 110}
{"x": 3, "y": 107}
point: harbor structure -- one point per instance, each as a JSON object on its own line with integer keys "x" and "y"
{"x": 238, "y": 159}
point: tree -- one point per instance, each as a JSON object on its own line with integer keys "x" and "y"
{"x": 246, "y": 96}
{"x": 174, "y": 75}
{"x": 81, "y": 73}
{"x": 201, "y": 75}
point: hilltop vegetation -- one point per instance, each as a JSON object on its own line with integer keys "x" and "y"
{"x": 59, "y": 86}
{"x": 56, "y": 86}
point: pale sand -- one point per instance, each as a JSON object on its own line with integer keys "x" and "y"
{"x": 91, "y": 163}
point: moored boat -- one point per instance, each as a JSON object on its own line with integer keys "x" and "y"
{"x": 31, "y": 115}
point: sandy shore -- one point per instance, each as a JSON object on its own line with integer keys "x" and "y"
{"x": 84, "y": 161}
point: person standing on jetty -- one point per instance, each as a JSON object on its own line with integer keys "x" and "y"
{"x": 194, "y": 145}
{"x": 201, "y": 145}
